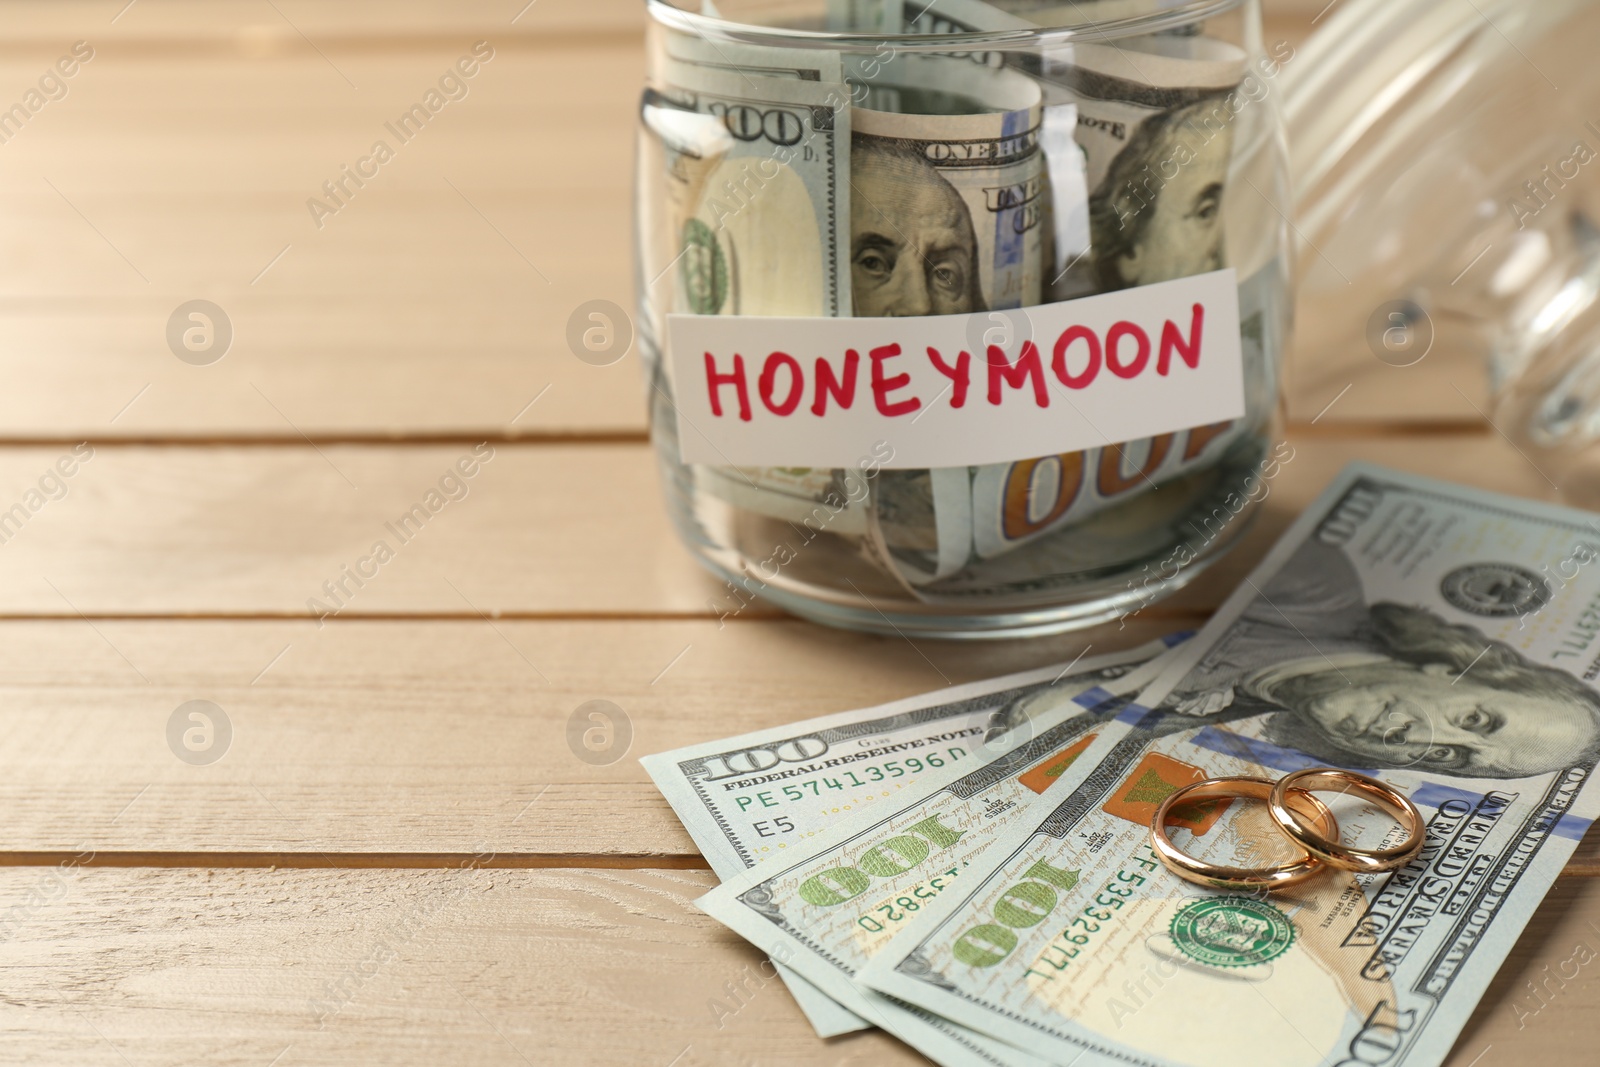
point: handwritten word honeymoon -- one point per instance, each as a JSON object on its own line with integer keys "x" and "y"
{"x": 1027, "y": 370}
{"x": 807, "y": 392}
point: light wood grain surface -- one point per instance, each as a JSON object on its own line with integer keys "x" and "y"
{"x": 397, "y": 860}
{"x": 501, "y": 967}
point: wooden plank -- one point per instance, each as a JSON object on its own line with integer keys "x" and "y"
{"x": 135, "y": 967}
{"x": 545, "y": 529}
{"x": 1343, "y": 381}
{"x": 368, "y": 740}
{"x": 198, "y": 530}
{"x": 435, "y": 300}
{"x": 418, "y": 737}
{"x": 252, "y": 28}
{"x": 288, "y": 25}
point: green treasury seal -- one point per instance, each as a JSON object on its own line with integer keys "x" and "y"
{"x": 1231, "y": 931}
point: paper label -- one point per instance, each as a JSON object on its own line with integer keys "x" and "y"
{"x": 958, "y": 390}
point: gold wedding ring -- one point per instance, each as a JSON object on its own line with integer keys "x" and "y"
{"x": 1216, "y": 876}
{"x": 1326, "y": 846}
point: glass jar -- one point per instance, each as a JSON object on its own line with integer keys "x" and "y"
{"x": 1446, "y": 160}
{"x": 1036, "y": 193}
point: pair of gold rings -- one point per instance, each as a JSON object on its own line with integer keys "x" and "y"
{"x": 1303, "y": 818}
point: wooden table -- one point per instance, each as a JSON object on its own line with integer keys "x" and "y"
{"x": 397, "y": 858}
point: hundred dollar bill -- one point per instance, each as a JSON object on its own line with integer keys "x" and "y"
{"x": 946, "y": 178}
{"x": 756, "y": 146}
{"x": 921, "y": 16}
{"x": 721, "y": 129}
{"x": 750, "y": 798}
{"x": 1438, "y": 636}
{"x": 931, "y": 526}
{"x": 826, "y": 904}
{"x": 818, "y": 498}
{"x": 1153, "y": 123}
{"x": 943, "y": 216}
{"x": 1081, "y": 12}
{"x": 751, "y": 61}
{"x": 1157, "y": 135}
{"x": 948, "y": 188}
{"x": 759, "y": 185}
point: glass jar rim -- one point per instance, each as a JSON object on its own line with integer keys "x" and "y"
{"x": 720, "y": 29}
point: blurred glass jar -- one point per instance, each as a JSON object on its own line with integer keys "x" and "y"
{"x": 1446, "y": 160}
{"x": 1125, "y": 143}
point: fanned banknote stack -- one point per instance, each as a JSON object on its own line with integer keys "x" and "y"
{"x": 805, "y": 182}
{"x": 971, "y": 870}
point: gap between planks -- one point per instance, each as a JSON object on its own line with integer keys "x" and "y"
{"x": 425, "y": 861}
{"x": 365, "y": 860}
{"x": 1328, "y": 431}
{"x": 370, "y": 440}
{"x": 756, "y": 613}
{"x": 226, "y": 44}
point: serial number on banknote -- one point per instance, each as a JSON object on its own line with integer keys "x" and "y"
{"x": 907, "y": 904}
{"x": 1059, "y": 954}
{"x": 870, "y": 774}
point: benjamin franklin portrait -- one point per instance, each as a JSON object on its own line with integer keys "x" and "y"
{"x": 1157, "y": 213}
{"x": 913, "y": 250}
{"x": 1382, "y": 685}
